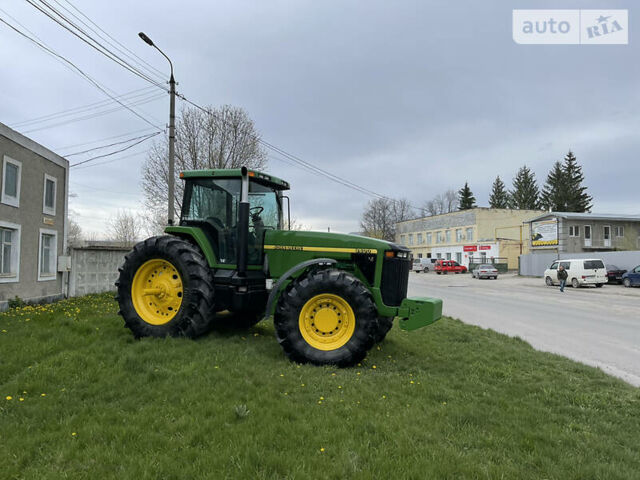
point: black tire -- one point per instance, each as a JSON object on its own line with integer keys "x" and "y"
{"x": 305, "y": 287}
{"x": 626, "y": 282}
{"x": 599, "y": 285}
{"x": 548, "y": 281}
{"x": 197, "y": 307}
{"x": 384, "y": 325}
{"x": 574, "y": 283}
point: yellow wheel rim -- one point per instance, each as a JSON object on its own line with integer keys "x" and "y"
{"x": 157, "y": 291}
{"x": 327, "y": 322}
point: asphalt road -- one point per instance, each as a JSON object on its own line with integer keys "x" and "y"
{"x": 598, "y": 327}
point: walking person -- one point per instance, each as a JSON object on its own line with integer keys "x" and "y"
{"x": 562, "y": 276}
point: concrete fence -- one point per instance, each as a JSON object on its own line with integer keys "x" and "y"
{"x": 534, "y": 264}
{"x": 94, "y": 269}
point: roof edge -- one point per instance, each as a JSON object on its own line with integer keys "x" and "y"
{"x": 33, "y": 146}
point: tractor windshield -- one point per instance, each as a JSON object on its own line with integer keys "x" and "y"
{"x": 212, "y": 204}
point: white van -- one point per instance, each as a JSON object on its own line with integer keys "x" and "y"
{"x": 582, "y": 271}
{"x": 423, "y": 264}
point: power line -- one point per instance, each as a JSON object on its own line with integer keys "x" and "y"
{"x": 124, "y": 50}
{"x": 89, "y": 40}
{"x": 112, "y": 160}
{"x": 101, "y": 139}
{"x": 89, "y": 116}
{"x": 117, "y": 151}
{"x": 90, "y": 106}
{"x": 79, "y": 70}
{"x": 107, "y": 146}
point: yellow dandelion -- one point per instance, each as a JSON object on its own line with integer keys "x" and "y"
{"x": 286, "y": 393}
{"x": 374, "y": 367}
{"x": 43, "y": 394}
{"x": 321, "y": 398}
{"x": 9, "y": 397}
{"x": 384, "y": 396}
{"x": 4, "y": 331}
{"x": 357, "y": 373}
{"x": 411, "y": 382}
{"x": 21, "y": 399}
{"x": 282, "y": 374}
{"x": 333, "y": 374}
{"x": 73, "y": 434}
{"x": 322, "y": 449}
{"x": 339, "y": 386}
{"x": 302, "y": 384}
{"x": 319, "y": 402}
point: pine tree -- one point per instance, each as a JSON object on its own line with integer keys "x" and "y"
{"x": 577, "y": 198}
{"x": 499, "y": 196}
{"x": 467, "y": 200}
{"x": 553, "y": 196}
{"x": 525, "y": 194}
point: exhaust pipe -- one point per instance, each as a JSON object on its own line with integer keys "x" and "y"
{"x": 243, "y": 225}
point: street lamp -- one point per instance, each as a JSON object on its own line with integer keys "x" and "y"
{"x": 172, "y": 127}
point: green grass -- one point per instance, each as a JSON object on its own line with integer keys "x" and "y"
{"x": 448, "y": 401}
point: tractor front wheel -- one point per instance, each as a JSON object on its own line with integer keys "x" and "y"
{"x": 326, "y": 317}
{"x": 384, "y": 325}
{"x": 165, "y": 288}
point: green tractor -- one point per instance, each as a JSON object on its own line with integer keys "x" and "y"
{"x": 332, "y": 296}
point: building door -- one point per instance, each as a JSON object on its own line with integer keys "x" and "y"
{"x": 587, "y": 235}
{"x": 606, "y": 234}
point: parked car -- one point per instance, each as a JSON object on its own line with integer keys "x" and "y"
{"x": 582, "y": 271}
{"x": 614, "y": 274}
{"x": 449, "y": 266}
{"x": 423, "y": 264}
{"x": 632, "y": 278}
{"x": 485, "y": 271}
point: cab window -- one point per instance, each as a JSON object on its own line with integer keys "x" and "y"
{"x": 554, "y": 266}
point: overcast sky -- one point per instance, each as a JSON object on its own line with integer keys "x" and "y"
{"x": 405, "y": 98}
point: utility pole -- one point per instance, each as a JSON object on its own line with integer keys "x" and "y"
{"x": 172, "y": 145}
{"x": 172, "y": 131}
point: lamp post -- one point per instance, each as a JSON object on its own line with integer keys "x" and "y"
{"x": 172, "y": 128}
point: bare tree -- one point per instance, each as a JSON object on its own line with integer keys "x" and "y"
{"x": 381, "y": 215}
{"x": 124, "y": 228}
{"x": 74, "y": 233}
{"x": 223, "y": 137}
{"x": 442, "y": 203}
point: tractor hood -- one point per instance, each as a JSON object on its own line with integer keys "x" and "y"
{"x": 324, "y": 242}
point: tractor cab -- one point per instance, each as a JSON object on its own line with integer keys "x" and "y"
{"x": 234, "y": 209}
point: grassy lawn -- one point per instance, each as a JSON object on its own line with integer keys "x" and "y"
{"x": 79, "y": 398}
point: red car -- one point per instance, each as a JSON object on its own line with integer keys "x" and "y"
{"x": 449, "y": 266}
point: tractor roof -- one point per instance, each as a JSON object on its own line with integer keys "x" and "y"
{"x": 254, "y": 175}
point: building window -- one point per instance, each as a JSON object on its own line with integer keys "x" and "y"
{"x": 11, "y": 173}
{"x": 459, "y": 257}
{"x": 448, "y": 236}
{"x": 419, "y": 239}
{"x": 429, "y": 239}
{"x": 438, "y": 237}
{"x": 48, "y": 255}
{"x": 448, "y": 256}
{"x": 470, "y": 234}
{"x": 483, "y": 257}
{"x": 458, "y": 235}
{"x": 574, "y": 230}
{"x": 9, "y": 252}
{"x": 438, "y": 255}
{"x": 49, "y": 197}
{"x": 411, "y": 239}
{"x": 619, "y": 231}
{"x": 419, "y": 255}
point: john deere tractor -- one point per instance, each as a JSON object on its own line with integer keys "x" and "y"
{"x": 332, "y": 296}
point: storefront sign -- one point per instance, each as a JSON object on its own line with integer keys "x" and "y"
{"x": 485, "y": 247}
{"x": 470, "y": 248}
{"x": 544, "y": 233}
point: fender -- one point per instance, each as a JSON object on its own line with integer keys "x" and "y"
{"x": 287, "y": 275}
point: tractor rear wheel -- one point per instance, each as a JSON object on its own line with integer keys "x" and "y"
{"x": 384, "y": 325}
{"x": 326, "y": 317}
{"x": 165, "y": 288}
